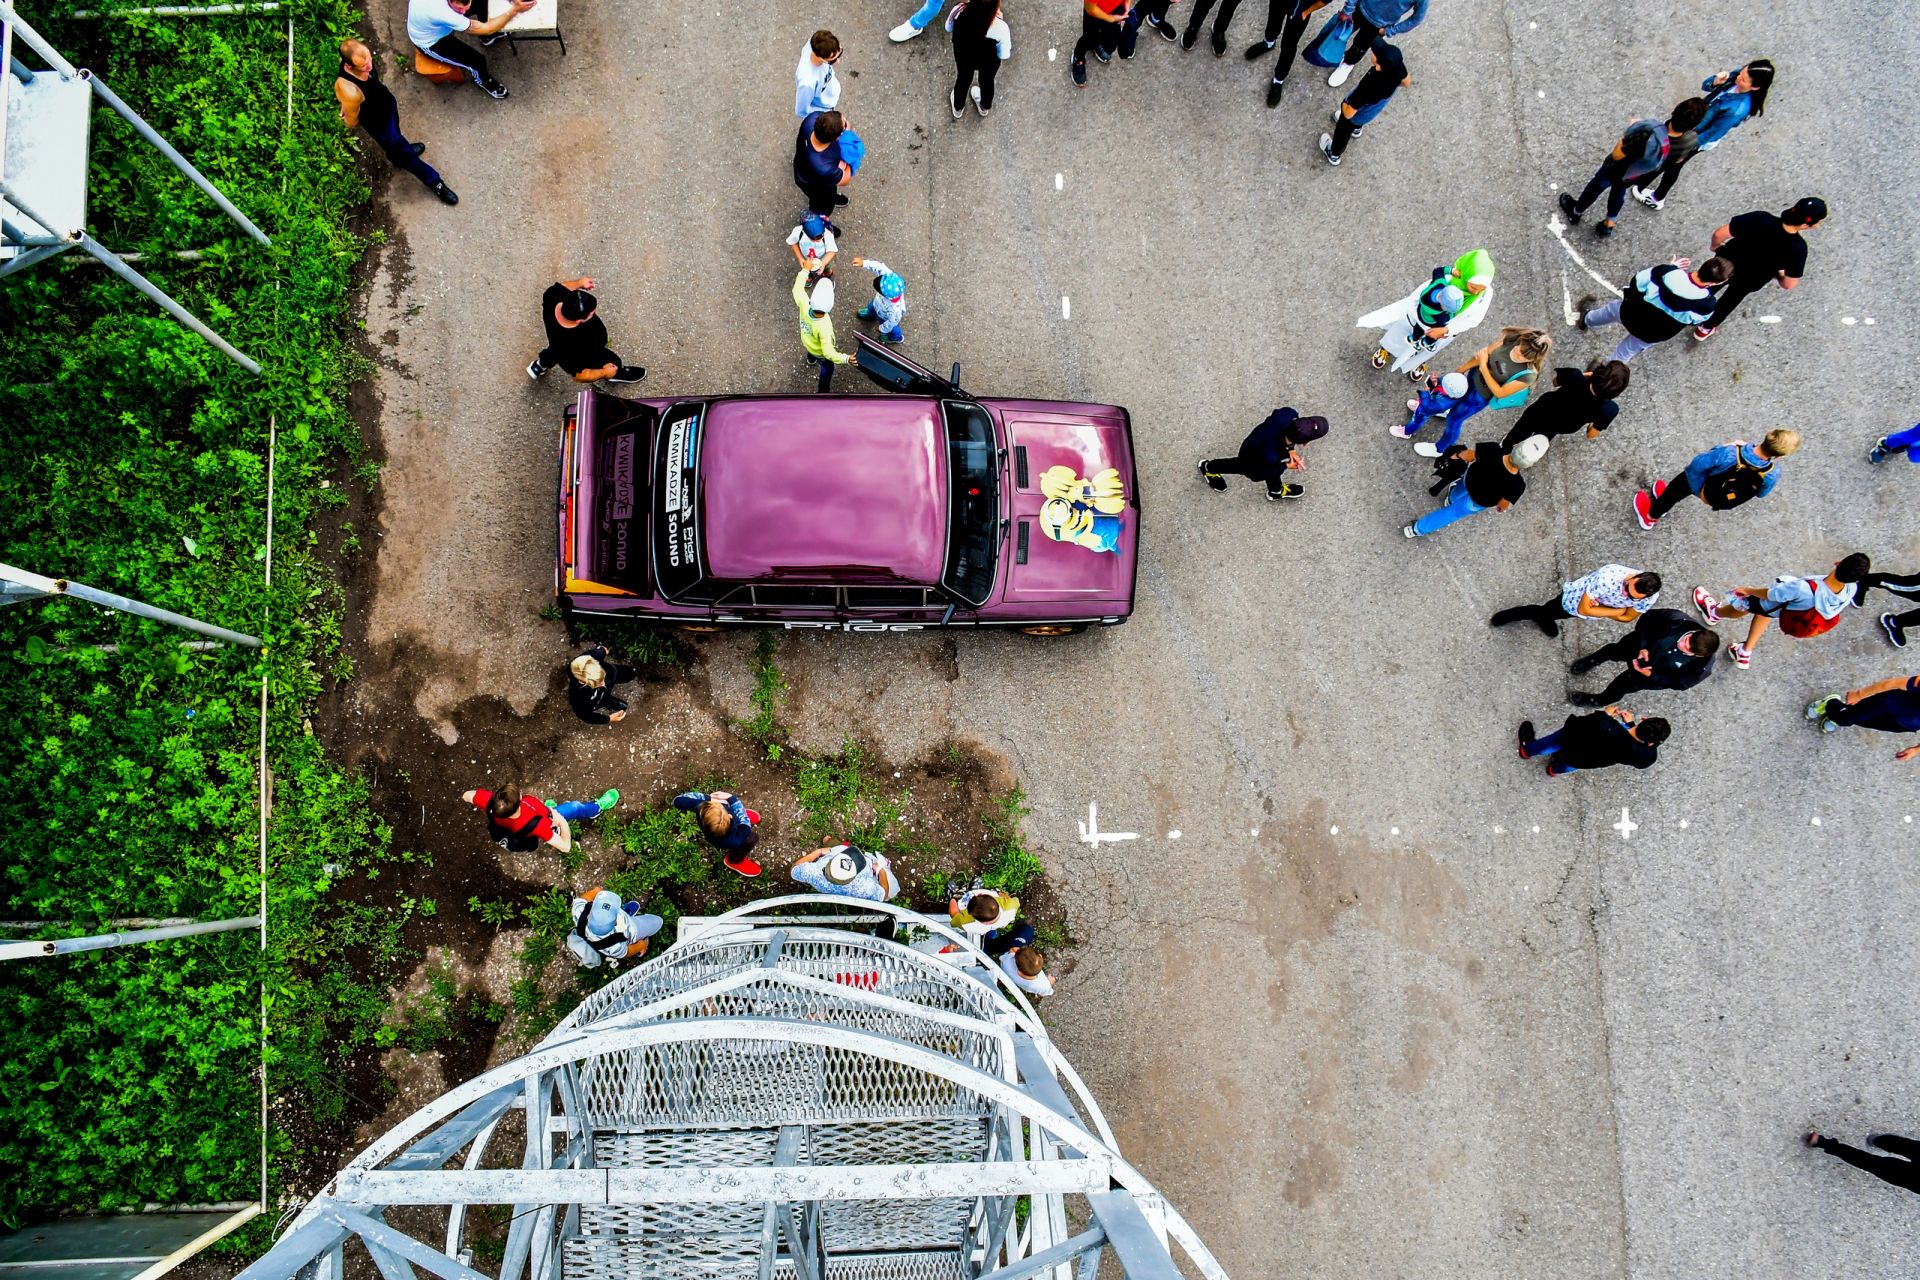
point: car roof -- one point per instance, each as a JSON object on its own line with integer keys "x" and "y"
{"x": 839, "y": 488}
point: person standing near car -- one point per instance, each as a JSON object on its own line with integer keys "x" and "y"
{"x": 1270, "y": 451}
{"x": 1763, "y": 248}
{"x": 819, "y": 167}
{"x": 590, "y": 681}
{"x": 816, "y": 325}
{"x": 433, "y": 24}
{"x": 365, "y": 102}
{"x": 1371, "y": 20}
{"x": 1723, "y": 477}
{"x": 577, "y": 337}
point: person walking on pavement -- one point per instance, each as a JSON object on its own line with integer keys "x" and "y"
{"x": 1493, "y": 481}
{"x": 1907, "y": 442}
{"x": 1905, "y": 585}
{"x": 1421, "y": 325}
{"x": 521, "y": 823}
{"x": 981, "y": 42}
{"x": 1724, "y": 477}
{"x": 1902, "y": 1168}
{"x": 577, "y": 337}
{"x": 433, "y": 24}
{"x": 1731, "y": 98}
{"x": 1579, "y": 401}
{"x": 916, "y": 22}
{"x": 1368, "y": 99}
{"x": 728, "y": 825}
{"x": 1665, "y": 650}
{"x": 1891, "y": 706}
{"x": 1502, "y": 374}
{"x": 815, "y": 86}
{"x": 819, "y": 167}
{"x": 1763, "y": 247}
{"x": 365, "y": 102}
{"x": 888, "y": 305}
{"x": 1681, "y": 148}
{"x": 1102, "y": 24}
{"x": 1642, "y": 149}
{"x": 1371, "y": 20}
{"x": 1658, "y": 304}
{"x": 1286, "y": 23}
{"x": 1612, "y": 591}
{"x": 1198, "y": 17}
{"x": 590, "y": 681}
{"x": 1597, "y": 740}
{"x": 847, "y": 870}
{"x": 1805, "y": 606}
{"x": 1270, "y": 450}
{"x": 607, "y": 931}
{"x": 813, "y": 245}
{"x": 816, "y": 326}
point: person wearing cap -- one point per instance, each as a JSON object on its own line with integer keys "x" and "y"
{"x": 816, "y": 325}
{"x": 577, "y": 337}
{"x": 1493, "y": 481}
{"x": 813, "y": 245}
{"x": 888, "y": 306}
{"x": 728, "y": 825}
{"x": 522, "y": 823}
{"x": 1763, "y": 247}
{"x": 365, "y": 102}
{"x": 1642, "y": 149}
{"x": 1580, "y": 401}
{"x": 1659, "y": 302}
{"x": 1368, "y": 99}
{"x": 606, "y": 930}
{"x": 590, "y": 681}
{"x": 1613, "y": 591}
{"x": 1270, "y": 451}
{"x": 820, "y": 166}
{"x": 848, "y": 871}
{"x": 1408, "y": 332}
{"x": 815, "y": 86}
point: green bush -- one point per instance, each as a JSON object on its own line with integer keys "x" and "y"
{"x": 1009, "y": 865}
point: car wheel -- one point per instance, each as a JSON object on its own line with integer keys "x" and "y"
{"x": 701, "y": 628}
{"x": 1054, "y": 629}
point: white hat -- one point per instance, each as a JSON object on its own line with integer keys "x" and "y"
{"x": 1529, "y": 451}
{"x": 603, "y": 915}
{"x": 823, "y": 295}
{"x": 1454, "y": 384}
{"x": 844, "y": 865}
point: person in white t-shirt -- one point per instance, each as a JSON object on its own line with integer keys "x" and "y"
{"x": 1026, "y": 965}
{"x": 1615, "y": 591}
{"x": 815, "y": 86}
{"x": 813, "y": 245}
{"x": 433, "y": 24}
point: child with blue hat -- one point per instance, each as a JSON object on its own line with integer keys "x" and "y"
{"x": 813, "y": 245}
{"x": 889, "y": 302}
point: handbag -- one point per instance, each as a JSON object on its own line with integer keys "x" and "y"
{"x": 1330, "y": 46}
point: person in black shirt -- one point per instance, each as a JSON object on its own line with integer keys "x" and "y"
{"x": 819, "y": 170}
{"x": 577, "y": 337}
{"x": 1268, "y": 452}
{"x": 1890, "y": 1168}
{"x": 590, "y": 681}
{"x": 1491, "y": 482}
{"x": 1762, "y": 247}
{"x": 1578, "y": 401}
{"x": 1286, "y": 23}
{"x": 1368, "y": 99}
{"x": 1665, "y": 650}
{"x": 1597, "y": 740}
{"x": 365, "y": 102}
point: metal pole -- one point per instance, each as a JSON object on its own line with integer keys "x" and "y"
{"x": 19, "y": 582}
{"x": 34, "y": 42}
{"x": 104, "y": 941}
{"x": 182, "y": 10}
{"x": 180, "y": 162}
{"x": 39, "y": 253}
{"x": 172, "y": 308}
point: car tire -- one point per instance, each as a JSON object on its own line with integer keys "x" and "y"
{"x": 1054, "y": 629}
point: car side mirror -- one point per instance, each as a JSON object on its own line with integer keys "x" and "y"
{"x": 955, "y": 378}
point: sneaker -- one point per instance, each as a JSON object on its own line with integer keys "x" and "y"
{"x": 1409, "y": 532}
{"x": 1427, "y": 449}
{"x": 1659, "y": 488}
{"x": 1587, "y": 303}
{"x": 536, "y": 370}
{"x": 904, "y": 32}
{"x": 608, "y": 799}
{"x": 1259, "y": 49}
{"x": 1646, "y": 197}
{"x": 1102, "y": 54}
{"x": 1127, "y": 50}
{"x": 1815, "y": 1140}
{"x": 1569, "y": 208}
{"x": 1287, "y": 491}
{"x": 1817, "y": 709}
{"x": 1709, "y": 607}
{"x": 955, "y": 105}
{"x": 1526, "y": 738}
{"x": 1188, "y": 37}
{"x": 746, "y": 867}
{"x": 1079, "y": 72}
{"x": 487, "y": 42}
{"x": 1605, "y": 228}
{"x": 1219, "y": 45}
{"x": 494, "y": 89}
{"x": 1702, "y": 332}
{"x": 974, "y": 93}
{"x": 1215, "y": 481}
{"x": 418, "y": 148}
{"x": 1583, "y": 664}
{"x": 1896, "y": 634}
{"x": 1879, "y": 452}
{"x": 1580, "y": 699}
{"x": 628, "y": 373}
{"x": 1643, "y": 510}
{"x": 1326, "y": 149}
{"x": 1413, "y": 406}
{"x": 1417, "y": 374}
{"x": 447, "y": 196}
{"x": 1274, "y": 91}
{"x": 1402, "y": 429}
{"x": 1380, "y": 357}
{"x": 1741, "y": 655}
{"x": 1340, "y": 74}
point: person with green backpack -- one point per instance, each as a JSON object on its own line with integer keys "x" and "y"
{"x": 1723, "y": 477}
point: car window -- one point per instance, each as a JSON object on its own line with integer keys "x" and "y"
{"x": 793, "y": 597}
{"x": 886, "y": 597}
{"x": 676, "y": 484}
{"x": 973, "y": 490}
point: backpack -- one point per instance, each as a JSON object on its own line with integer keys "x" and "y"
{"x": 1731, "y": 488}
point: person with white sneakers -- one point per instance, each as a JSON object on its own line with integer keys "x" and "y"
{"x": 981, "y": 42}
{"x": 1805, "y": 606}
{"x": 1371, "y": 20}
{"x": 918, "y": 22}
{"x": 1492, "y": 481}
{"x": 606, "y": 930}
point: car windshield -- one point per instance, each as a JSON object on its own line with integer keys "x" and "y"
{"x": 973, "y": 515}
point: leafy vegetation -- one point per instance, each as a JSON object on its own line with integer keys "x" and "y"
{"x": 769, "y": 690}
{"x": 140, "y": 464}
{"x": 1009, "y": 865}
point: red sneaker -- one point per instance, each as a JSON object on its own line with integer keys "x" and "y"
{"x": 746, "y": 867}
{"x": 1643, "y": 510}
{"x": 753, "y": 818}
{"x": 1659, "y": 487}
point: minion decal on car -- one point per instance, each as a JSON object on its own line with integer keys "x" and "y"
{"x": 1084, "y": 512}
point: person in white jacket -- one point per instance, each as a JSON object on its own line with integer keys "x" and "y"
{"x": 815, "y": 86}
{"x": 981, "y": 42}
{"x": 1408, "y": 342}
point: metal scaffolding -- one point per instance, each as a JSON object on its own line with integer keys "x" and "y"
{"x": 774, "y": 1098}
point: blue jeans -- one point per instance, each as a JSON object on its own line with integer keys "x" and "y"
{"x": 1547, "y": 746}
{"x": 400, "y": 154}
{"x": 1458, "y": 506}
{"x": 924, "y": 14}
{"x": 1437, "y": 404}
{"x": 575, "y": 810}
{"x": 1908, "y": 440}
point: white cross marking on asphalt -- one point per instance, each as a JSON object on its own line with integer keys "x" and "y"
{"x": 1559, "y": 233}
{"x": 1091, "y": 833}
{"x": 1626, "y": 826}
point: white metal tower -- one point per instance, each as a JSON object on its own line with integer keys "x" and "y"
{"x": 779, "y": 1096}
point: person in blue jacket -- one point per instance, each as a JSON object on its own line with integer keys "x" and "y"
{"x": 1731, "y": 96}
{"x": 1268, "y": 453}
{"x": 727, "y": 824}
{"x": 1371, "y": 20}
{"x": 1907, "y": 442}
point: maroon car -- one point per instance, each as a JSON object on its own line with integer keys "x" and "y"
{"x": 928, "y": 507}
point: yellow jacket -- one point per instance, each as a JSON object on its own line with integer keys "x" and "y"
{"x": 816, "y": 332}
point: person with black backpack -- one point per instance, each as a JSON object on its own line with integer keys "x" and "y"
{"x": 1725, "y": 477}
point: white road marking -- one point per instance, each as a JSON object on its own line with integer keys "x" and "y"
{"x": 1499, "y": 830}
{"x": 1626, "y": 826}
{"x": 1059, "y": 181}
{"x": 1867, "y": 320}
{"x": 1566, "y": 300}
{"x": 1052, "y": 54}
{"x": 1683, "y": 824}
{"x": 1066, "y": 307}
{"x": 1814, "y": 821}
{"x": 1091, "y": 833}
{"x": 1393, "y": 831}
{"x": 1848, "y": 320}
{"x": 1256, "y": 830}
{"x": 1536, "y": 831}
{"x": 1174, "y": 834}
{"x": 1560, "y": 233}
{"x": 1541, "y": 92}
{"x": 1333, "y": 831}
{"x": 1769, "y": 319}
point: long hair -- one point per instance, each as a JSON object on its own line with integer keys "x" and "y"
{"x": 1534, "y": 344}
{"x": 974, "y": 18}
{"x": 1760, "y": 71}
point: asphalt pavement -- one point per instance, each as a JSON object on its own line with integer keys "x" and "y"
{"x": 1365, "y": 994}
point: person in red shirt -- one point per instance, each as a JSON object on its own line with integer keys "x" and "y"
{"x": 521, "y": 824}
{"x": 1102, "y": 22}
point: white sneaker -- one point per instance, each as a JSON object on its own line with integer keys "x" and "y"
{"x": 974, "y": 92}
{"x": 1340, "y": 74}
{"x": 903, "y": 33}
{"x": 1427, "y": 449}
{"x": 1646, "y": 197}
{"x": 959, "y": 108}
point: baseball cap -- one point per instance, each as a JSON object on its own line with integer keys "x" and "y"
{"x": 822, "y": 295}
{"x": 1529, "y": 451}
{"x": 603, "y": 914}
{"x": 1809, "y": 209}
{"x": 814, "y": 225}
{"x": 844, "y": 865}
{"x": 579, "y": 305}
{"x": 1305, "y": 429}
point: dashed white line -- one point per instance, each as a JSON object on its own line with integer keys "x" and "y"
{"x": 1393, "y": 831}
{"x": 1066, "y": 307}
{"x": 1769, "y": 319}
{"x": 1848, "y": 320}
{"x": 1052, "y": 54}
{"x": 1174, "y": 834}
{"x": 1333, "y": 831}
{"x": 1059, "y": 181}
{"x": 1814, "y": 821}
